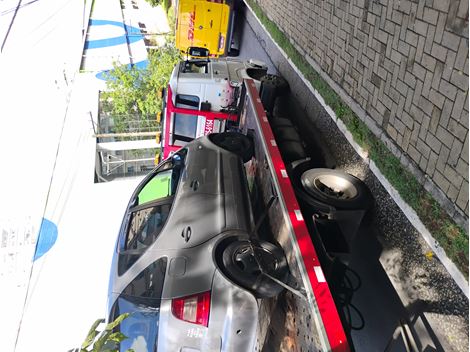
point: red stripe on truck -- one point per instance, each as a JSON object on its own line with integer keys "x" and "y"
{"x": 326, "y": 305}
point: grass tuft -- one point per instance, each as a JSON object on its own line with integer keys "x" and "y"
{"x": 451, "y": 237}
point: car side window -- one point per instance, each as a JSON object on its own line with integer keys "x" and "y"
{"x": 163, "y": 183}
{"x": 147, "y": 216}
{"x": 145, "y": 225}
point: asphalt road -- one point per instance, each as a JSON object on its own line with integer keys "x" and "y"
{"x": 389, "y": 284}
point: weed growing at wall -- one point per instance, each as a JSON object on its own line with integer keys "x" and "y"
{"x": 452, "y": 238}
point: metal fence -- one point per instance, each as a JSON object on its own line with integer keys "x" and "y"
{"x": 126, "y": 145}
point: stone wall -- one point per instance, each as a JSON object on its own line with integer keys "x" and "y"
{"x": 405, "y": 64}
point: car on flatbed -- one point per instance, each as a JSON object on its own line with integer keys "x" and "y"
{"x": 187, "y": 266}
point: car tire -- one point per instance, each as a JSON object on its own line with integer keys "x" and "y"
{"x": 234, "y": 142}
{"x": 241, "y": 267}
{"x": 333, "y": 188}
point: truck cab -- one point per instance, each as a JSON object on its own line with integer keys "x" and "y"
{"x": 204, "y": 96}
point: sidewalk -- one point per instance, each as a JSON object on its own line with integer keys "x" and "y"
{"x": 108, "y": 39}
{"x": 68, "y": 287}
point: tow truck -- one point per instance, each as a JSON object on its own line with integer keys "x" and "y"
{"x": 312, "y": 212}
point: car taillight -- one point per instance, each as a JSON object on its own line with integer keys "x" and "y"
{"x": 194, "y": 309}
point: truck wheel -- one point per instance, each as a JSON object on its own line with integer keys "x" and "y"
{"x": 331, "y": 187}
{"x": 241, "y": 267}
{"x": 278, "y": 122}
{"x": 277, "y": 82}
{"x": 234, "y": 142}
{"x": 291, "y": 151}
{"x": 284, "y": 134}
{"x": 272, "y": 86}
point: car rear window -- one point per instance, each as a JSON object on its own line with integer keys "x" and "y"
{"x": 141, "y": 298}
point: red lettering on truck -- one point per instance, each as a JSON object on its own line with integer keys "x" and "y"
{"x": 209, "y": 126}
{"x": 192, "y": 17}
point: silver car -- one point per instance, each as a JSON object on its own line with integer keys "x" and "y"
{"x": 186, "y": 264}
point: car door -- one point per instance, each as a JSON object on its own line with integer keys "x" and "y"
{"x": 198, "y": 211}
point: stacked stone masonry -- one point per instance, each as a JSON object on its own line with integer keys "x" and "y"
{"x": 405, "y": 63}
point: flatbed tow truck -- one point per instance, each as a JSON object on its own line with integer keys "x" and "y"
{"x": 285, "y": 190}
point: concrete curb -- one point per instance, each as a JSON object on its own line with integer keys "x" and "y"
{"x": 411, "y": 215}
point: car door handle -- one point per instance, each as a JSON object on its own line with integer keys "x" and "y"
{"x": 194, "y": 185}
{"x": 186, "y": 234}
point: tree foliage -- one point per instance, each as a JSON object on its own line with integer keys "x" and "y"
{"x": 106, "y": 340}
{"x": 154, "y": 3}
{"x": 133, "y": 90}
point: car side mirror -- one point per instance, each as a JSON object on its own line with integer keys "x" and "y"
{"x": 177, "y": 160}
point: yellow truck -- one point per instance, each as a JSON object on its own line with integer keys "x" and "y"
{"x": 206, "y": 24}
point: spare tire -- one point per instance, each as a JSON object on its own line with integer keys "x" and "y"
{"x": 336, "y": 188}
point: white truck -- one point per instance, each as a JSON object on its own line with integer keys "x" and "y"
{"x": 205, "y": 95}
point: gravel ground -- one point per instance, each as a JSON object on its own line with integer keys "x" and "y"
{"x": 423, "y": 285}
{"x": 400, "y": 279}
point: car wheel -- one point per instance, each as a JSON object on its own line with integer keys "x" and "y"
{"x": 241, "y": 267}
{"x": 331, "y": 187}
{"x": 234, "y": 142}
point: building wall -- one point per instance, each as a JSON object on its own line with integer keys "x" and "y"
{"x": 405, "y": 63}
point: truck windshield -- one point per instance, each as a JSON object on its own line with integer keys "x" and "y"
{"x": 195, "y": 66}
{"x": 185, "y": 125}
